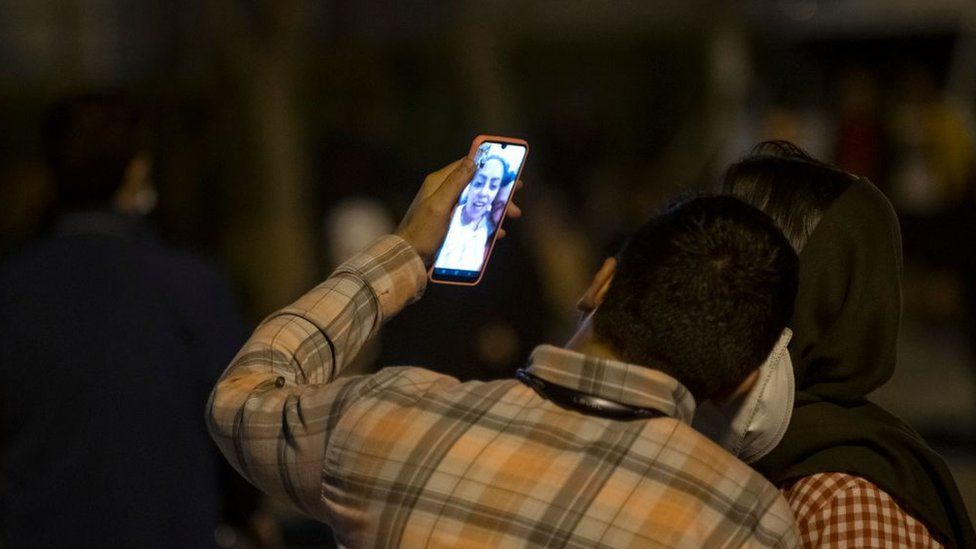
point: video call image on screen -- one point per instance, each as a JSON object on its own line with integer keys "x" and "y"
{"x": 479, "y": 210}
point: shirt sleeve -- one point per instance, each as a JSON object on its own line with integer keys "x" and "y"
{"x": 841, "y": 510}
{"x": 272, "y": 411}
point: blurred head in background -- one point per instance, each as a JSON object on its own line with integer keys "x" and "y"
{"x": 97, "y": 147}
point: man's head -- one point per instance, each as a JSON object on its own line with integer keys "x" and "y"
{"x": 700, "y": 292}
{"x": 96, "y": 147}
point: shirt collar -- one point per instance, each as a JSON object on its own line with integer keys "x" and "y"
{"x": 613, "y": 380}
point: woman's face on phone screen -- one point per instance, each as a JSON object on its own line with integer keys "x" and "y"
{"x": 483, "y": 189}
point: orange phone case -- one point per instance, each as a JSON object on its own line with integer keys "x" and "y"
{"x": 494, "y": 237}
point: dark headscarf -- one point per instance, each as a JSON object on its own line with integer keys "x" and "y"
{"x": 845, "y": 329}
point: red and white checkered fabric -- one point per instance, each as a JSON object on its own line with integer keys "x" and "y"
{"x": 840, "y": 510}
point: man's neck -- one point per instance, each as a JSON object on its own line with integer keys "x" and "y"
{"x": 584, "y": 341}
{"x": 594, "y": 348}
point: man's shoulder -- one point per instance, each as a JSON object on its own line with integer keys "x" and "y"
{"x": 33, "y": 263}
{"x": 424, "y": 395}
{"x": 189, "y": 263}
{"x": 706, "y": 459}
{"x": 405, "y": 374}
{"x": 423, "y": 380}
{"x": 95, "y": 265}
{"x": 26, "y": 253}
{"x": 92, "y": 249}
{"x": 742, "y": 501}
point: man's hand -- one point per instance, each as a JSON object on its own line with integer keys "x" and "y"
{"x": 425, "y": 224}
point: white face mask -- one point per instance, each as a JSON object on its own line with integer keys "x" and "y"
{"x": 751, "y": 425}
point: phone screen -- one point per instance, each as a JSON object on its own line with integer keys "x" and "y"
{"x": 479, "y": 212}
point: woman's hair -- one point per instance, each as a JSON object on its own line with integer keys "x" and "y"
{"x": 789, "y": 185}
{"x": 507, "y": 175}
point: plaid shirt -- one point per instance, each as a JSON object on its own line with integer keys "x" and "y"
{"x": 407, "y": 457}
{"x": 841, "y": 510}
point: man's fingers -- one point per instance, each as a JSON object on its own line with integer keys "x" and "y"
{"x": 456, "y": 180}
{"x": 501, "y": 234}
{"x": 513, "y": 211}
{"x": 446, "y": 170}
{"x": 434, "y": 180}
{"x": 518, "y": 184}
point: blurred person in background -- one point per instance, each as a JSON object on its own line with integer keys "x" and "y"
{"x": 589, "y": 446}
{"x": 854, "y": 474}
{"x": 110, "y": 343}
{"x": 933, "y": 187}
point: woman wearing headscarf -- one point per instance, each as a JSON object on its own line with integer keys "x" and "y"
{"x": 854, "y": 474}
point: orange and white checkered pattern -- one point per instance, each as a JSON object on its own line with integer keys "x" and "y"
{"x": 845, "y": 511}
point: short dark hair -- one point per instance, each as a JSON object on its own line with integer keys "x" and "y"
{"x": 89, "y": 141}
{"x": 701, "y": 292}
{"x": 793, "y": 188}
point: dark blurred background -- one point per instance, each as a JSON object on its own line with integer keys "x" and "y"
{"x": 290, "y": 133}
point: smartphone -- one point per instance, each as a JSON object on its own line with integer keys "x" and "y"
{"x": 480, "y": 210}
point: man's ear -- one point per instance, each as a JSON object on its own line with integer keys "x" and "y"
{"x": 599, "y": 286}
{"x": 605, "y": 277}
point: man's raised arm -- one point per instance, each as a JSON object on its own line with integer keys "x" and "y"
{"x": 272, "y": 411}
